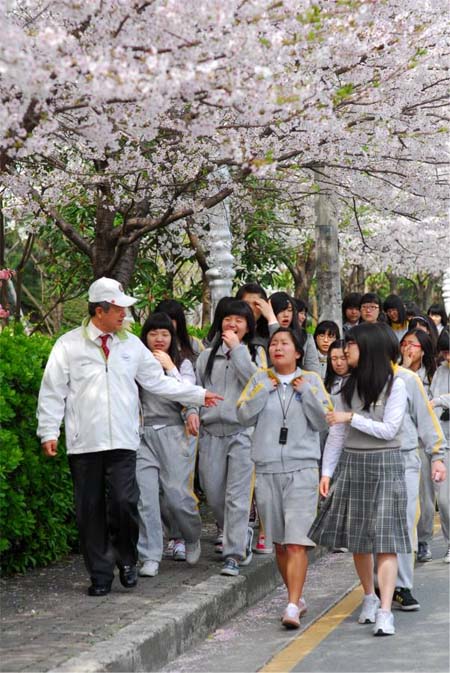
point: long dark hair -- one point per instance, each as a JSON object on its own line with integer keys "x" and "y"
{"x": 374, "y": 373}
{"x": 280, "y": 301}
{"x": 438, "y": 309}
{"x": 330, "y": 374}
{"x": 232, "y": 307}
{"x": 394, "y": 301}
{"x": 216, "y": 325}
{"x": 163, "y": 321}
{"x": 175, "y": 311}
{"x": 261, "y": 328}
{"x": 428, "y": 350}
{"x": 391, "y": 342}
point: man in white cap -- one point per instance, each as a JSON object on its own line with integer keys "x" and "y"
{"x": 91, "y": 381}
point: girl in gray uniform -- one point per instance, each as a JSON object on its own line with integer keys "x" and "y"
{"x": 418, "y": 355}
{"x": 165, "y": 462}
{"x": 287, "y": 406}
{"x": 440, "y": 401}
{"x": 283, "y": 310}
{"x": 225, "y": 466}
{"x": 325, "y": 333}
{"x": 365, "y": 508}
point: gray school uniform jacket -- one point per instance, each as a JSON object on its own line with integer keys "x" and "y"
{"x": 261, "y": 405}
{"x": 232, "y": 369}
{"x": 420, "y": 422}
{"x": 440, "y": 394}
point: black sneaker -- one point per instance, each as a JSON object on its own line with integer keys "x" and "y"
{"x": 404, "y": 600}
{"x": 424, "y": 552}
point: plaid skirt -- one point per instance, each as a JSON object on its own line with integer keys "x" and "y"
{"x": 365, "y": 509}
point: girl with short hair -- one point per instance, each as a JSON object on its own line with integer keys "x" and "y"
{"x": 395, "y": 311}
{"x": 287, "y": 405}
{"x": 325, "y": 333}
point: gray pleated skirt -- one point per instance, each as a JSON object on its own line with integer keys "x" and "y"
{"x": 365, "y": 509}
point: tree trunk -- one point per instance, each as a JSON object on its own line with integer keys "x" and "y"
{"x": 104, "y": 248}
{"x": 327, "y": 266}
{"x": 206, "y": 301}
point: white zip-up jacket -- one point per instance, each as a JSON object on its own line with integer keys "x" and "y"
{"x": 99, "y": 398}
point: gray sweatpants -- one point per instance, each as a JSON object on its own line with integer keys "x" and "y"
{"x": 165, "y": 468}
{"x": 429, "y": 493}
{"x": 226, "y": 476}
{"x": 405, "y": 573}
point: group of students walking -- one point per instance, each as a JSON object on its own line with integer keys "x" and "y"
{"x": 333, "y": 436}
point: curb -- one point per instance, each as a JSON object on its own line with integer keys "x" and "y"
{"x": 152, "y": 641}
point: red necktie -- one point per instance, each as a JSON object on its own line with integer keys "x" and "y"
{"x": 104, "y": 339}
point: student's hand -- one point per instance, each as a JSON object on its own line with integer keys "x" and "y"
{"x": 438, "y": 471}
{"x": 334, "y": 417}
{"x": 324, "y": 486}
{"x": 164, "y": 360}
{"x": 266, "y": 309}
{"x": 211, "y": 399}
{"x": 50, "y": 448}
{"x": 230, "y": 339}
{"x": 298, "y": 384}
{"x": 406, "y": 358}
{"x": 193, "y": 424}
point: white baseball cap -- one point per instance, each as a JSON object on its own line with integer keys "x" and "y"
{"x": 110, "y": 290}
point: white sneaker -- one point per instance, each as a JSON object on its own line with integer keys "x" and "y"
{"x": 369, "y": 609}
{"x": 447, "y": 556}
{"x": 291, "y": 617}
{"x": 193, "y": 551}
{"x": 149, "y": 569}
{"x": 179, "y": 550}
{"x": 384, "y": 624}
{"x": 302, "y": 607}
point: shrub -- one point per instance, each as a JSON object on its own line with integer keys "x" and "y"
{"x": 36, "y": 503}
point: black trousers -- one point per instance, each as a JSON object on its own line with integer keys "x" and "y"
{"x": 106, "y": 497}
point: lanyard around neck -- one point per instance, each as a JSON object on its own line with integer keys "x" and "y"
{"x": 284, "y": 409}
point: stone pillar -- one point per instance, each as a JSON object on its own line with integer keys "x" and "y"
{"x": 221, "y": 272}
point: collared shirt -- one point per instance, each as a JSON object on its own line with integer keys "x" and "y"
{"x": 95, "y": 333}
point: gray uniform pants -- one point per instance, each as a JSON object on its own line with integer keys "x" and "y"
{"x": 429, "y": 493}
{"x": 412, "y": 477}
{"x": 165, "y": 468}
{"x": 226, "y": 476}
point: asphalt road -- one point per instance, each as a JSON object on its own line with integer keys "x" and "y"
{"x": 330, "y": 639}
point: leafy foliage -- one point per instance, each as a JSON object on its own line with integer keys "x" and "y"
{"x": 36, "y": 508}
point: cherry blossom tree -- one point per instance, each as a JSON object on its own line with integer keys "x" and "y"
{"x": 133, "y": 107}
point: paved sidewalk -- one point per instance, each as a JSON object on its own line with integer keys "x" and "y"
{"x": 49, "y": 622}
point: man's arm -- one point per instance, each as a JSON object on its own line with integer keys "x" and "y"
{"x": 52, "y": 399}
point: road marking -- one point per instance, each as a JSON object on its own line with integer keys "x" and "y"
{"x": 309, "y": 639}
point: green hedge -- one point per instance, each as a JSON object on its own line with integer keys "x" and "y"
{"x": 37, "y": 521}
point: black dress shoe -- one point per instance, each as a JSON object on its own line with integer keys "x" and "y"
{"x": 99, "y": 589}
{"x": 128, "y": 576}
